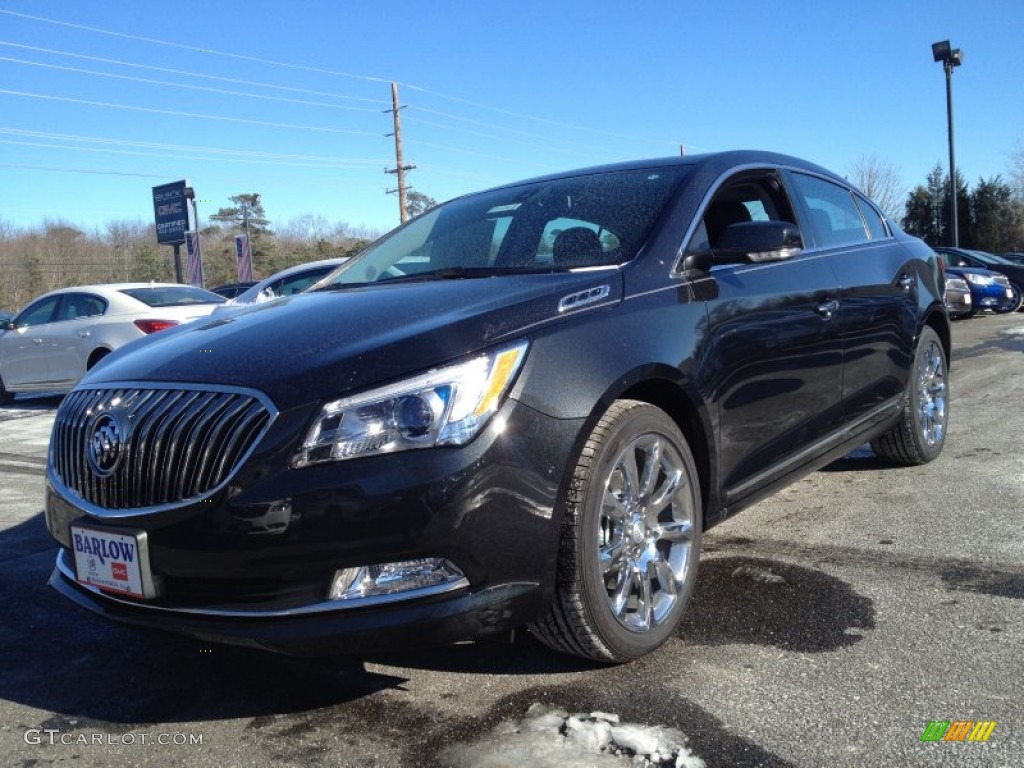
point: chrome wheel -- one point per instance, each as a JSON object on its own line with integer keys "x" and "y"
{"x": 919, "y": 434}
{"x": 630, "y": 539}
{"x": 932, "y": 395}
{"x": 645, "y": 532}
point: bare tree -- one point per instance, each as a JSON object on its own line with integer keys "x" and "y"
{"x": 881, "y": 181}
{"x": 1017, "y": 170}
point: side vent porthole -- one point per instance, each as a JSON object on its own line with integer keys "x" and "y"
{"x": 583, "y": 298}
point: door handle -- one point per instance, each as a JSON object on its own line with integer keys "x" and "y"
{"x": 905, "y": 282}
{"x": 37, "y": 341}
{"x": 84, "y": 334}
{"x": 827, "y": 308}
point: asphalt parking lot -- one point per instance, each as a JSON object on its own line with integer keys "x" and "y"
{"x": 831, "y": 624}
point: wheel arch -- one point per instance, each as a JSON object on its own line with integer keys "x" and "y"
{"x": 96, "y": 355}
{"x": 938, "y": 321}
{"x": 665, "y": 391}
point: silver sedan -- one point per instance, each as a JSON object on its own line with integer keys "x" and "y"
{"x": 51, "y": 343}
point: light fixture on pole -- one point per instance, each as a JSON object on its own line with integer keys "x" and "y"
{"x": 950, "y": 57}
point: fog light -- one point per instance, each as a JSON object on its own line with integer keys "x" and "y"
{"x": 431, "y": 574}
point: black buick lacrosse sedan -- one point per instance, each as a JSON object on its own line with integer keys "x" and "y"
{"x": 522, "y": 408}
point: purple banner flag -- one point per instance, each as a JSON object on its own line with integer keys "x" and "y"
{"x": 195, "y": 259}
{"x": 244, "y": 258}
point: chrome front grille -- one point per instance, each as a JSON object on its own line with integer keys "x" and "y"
{"x": 168, "y": 446}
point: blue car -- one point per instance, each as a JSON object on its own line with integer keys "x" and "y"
{"x": 989, "y": 290}
{"x": 1014, "y": 273}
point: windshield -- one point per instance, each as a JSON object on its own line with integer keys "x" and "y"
{"x": 597, "y": 219}
{"x": 989, "y": 258}
{"x": 284, "y": 286}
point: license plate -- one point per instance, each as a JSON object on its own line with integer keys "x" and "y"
{"x": 115, "y": 562}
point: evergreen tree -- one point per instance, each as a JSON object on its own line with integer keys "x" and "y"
{"x": 997, "y": 217}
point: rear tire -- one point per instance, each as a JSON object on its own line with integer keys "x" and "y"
{"x": 631, "y": 537}
{"x": 5, "y": 396}
{"x": 921, "y": 432}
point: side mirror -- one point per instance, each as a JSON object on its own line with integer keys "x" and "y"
{"x": 6, "y": 325}
{"x": 757, "y": 241}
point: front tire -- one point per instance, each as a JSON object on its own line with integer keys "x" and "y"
{"x": 921, "y": 432}
{"x": 1018, "y": 304}
{"x": 631, "y": 538}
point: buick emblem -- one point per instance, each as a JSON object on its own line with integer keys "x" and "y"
{"x": 108, "y": 442}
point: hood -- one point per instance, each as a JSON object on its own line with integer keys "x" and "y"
{"x": 317, "y": 346}
{"x": 960, "y": 271}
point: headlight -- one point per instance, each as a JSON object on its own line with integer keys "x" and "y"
{"x": 955, "y": 284}
{"x": 448, "y": 406}
{"x": 979, "y": 279}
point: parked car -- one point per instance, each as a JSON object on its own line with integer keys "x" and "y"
{"x": 230, "y": 290}
{"x": 51, "y": 343}
{"x": 1016, "y": 258}
{"x": 989, "y": 290}
{"x": 284, "y": 283}
{"x": 1014, "y": 273}
{"x": 958, "y": 298}
{"x": 523, "y": 407}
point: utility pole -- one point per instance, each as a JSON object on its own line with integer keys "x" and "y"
{"x": 399, "y": 168}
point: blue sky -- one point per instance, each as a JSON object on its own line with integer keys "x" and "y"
{"x": 288, "y": 98}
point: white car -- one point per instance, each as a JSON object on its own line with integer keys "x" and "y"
{"x": 284, "y": 283}
{"x": 51, "y": 343}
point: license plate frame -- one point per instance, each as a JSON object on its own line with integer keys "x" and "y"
{"x": 112, "y": 560}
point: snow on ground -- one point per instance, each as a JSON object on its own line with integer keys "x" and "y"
{"x": 1012, "y": 331}
{"x": 552, "y": 738}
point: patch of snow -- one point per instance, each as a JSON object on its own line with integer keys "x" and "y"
{"x": 1013, "y": 331}
{"x": 552, "y": 738}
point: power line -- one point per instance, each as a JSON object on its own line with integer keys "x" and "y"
{"x": 187, "y": 73}
{"x": 79, "y": 170}
{"x": 184, "y": 147}
{"x": 367, "y": 78}
{"x": 189, "y": 86}
{"x": 177, "y": 113}
{"x": 179, "y": 157}
{"x": 209, "y": 52}
{"x": 471, "y": 132}
{"x": 528, "y": 134}
{"x": 549, "y": 121}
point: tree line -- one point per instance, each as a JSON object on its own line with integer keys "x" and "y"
{"x": 990, "y": 216}
{"x": 57, "y": 254}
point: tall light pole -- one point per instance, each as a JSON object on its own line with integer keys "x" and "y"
{"x": 950, "y": 57}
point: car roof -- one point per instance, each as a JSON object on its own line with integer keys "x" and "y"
{"x": 713, "y": 162}
{"x": 107, "y": 288}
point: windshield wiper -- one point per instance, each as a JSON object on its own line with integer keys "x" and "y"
{"x": 464, "y": 273}
{"x": 449, "y": 273}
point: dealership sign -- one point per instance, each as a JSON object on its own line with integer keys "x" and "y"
{"x": 173, "y": 215}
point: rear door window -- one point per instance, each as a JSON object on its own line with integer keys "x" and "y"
{"x": 835, "y": 218}
{"x": 78, "y": 305}
{"x": 873, "y": 218}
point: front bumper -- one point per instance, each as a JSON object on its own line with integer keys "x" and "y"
{"x": 253, "y": 564}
